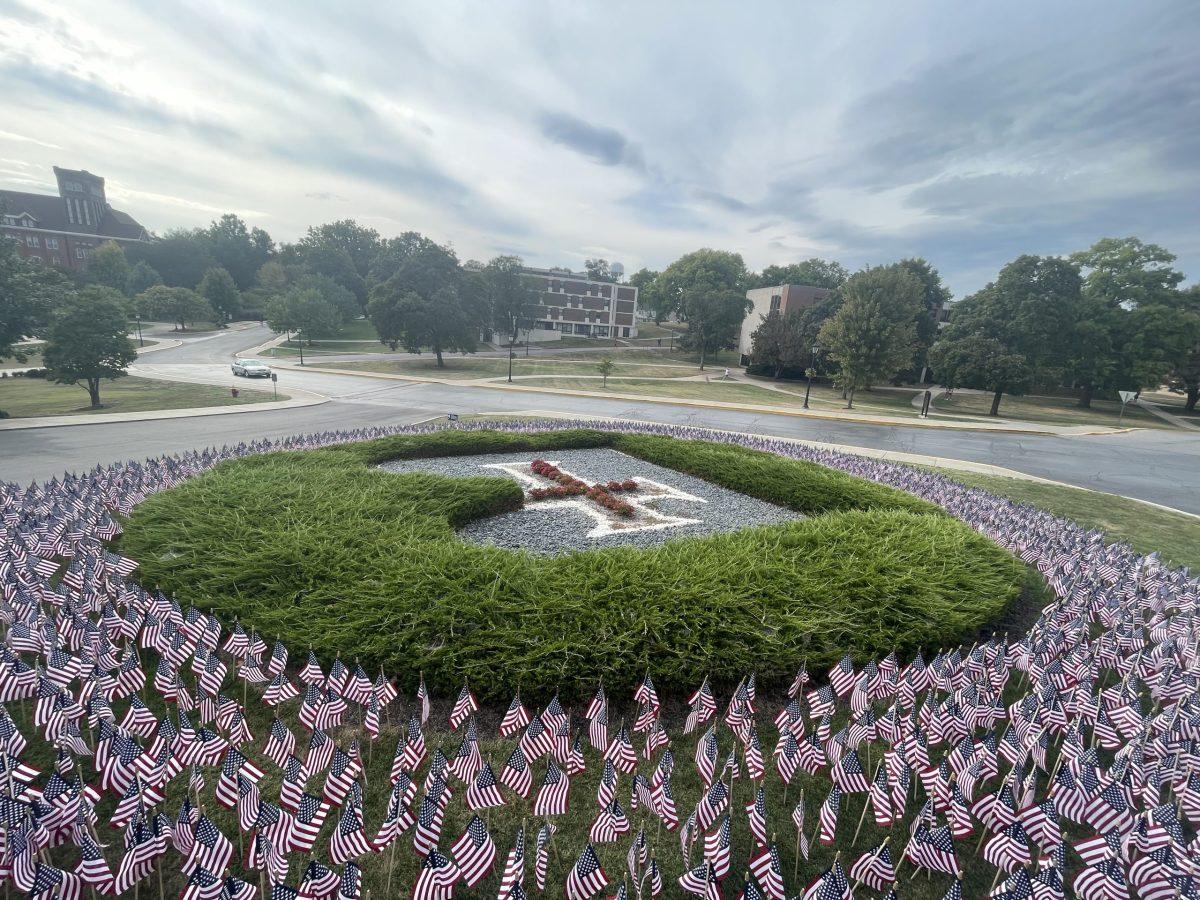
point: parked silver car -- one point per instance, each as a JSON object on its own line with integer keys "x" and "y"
{"x": 251, "y": 368}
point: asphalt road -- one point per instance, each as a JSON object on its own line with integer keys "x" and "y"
{"x": 1151, "y": 464}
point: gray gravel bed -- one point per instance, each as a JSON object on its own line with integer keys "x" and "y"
{"x": 553, "y": 530}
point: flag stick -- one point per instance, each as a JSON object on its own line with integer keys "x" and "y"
{"x": 391, "y": 865}
{"x": 799, "y": 834}
{"x": 861, "y": 817}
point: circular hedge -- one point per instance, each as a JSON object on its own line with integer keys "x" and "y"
{"x": 322, "y": 549}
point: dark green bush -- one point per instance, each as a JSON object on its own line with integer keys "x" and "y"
{"x": 320, "y": 549}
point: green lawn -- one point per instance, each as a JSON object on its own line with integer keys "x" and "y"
{"x": 1171, "y": 403}
{"x": 291, "y": 349}
{"x": 1145, "y": 528}
{"x": 650, "y": 330}
{"x": 1048, "y": 410}
{"x": 492, "y": 367}
{"x": 33, "y": 359}
{"x": 25, "y": 397}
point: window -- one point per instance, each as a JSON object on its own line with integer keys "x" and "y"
{"x": 776, "y": 300}
{"x": 36, "y": 260}
{"x": 51, "y": 243}
{"x": 81, "y": 253}
{"x": 32, "y": 240}
{"x": 57, "y": 260}
{"x": 624, "y": 332}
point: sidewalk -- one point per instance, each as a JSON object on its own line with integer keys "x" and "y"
{"x": 835, "y": 415}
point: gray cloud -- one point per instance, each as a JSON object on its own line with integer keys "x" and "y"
{"x": 598, "y": 143}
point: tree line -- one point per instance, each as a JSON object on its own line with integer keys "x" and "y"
{"x": 1111, "y": 317}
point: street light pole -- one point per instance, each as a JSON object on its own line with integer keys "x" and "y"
{"x": 810, "y": 372}
{"x": 141, "y": 341}
{"x": 510, "y": 349}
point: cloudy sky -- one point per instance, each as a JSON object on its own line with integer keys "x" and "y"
{"x": 966, "y": 132}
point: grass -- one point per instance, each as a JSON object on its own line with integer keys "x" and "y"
{"x": 1047, "y": 410}
{"x": 492, "y": 367}
{"x": 24, "y": 397}
{"x": 32, "y": 360}
{"x": 284, "y": 540}
{"x": 1145, "y": 528}
{"x": 1171, "y": 403}
{"x": 722, "y": 391}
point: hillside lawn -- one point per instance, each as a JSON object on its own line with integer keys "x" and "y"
{"x": 25, "y": 397}
{"x": 493, "y": 367}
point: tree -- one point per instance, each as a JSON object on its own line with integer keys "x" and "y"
{"x": 708, "y": 287}
{"x": 218, "y": 288}
{"x": 783, "y": 341}
{"x": 824, "y": 273}
{"x": 507, "y": 295}
{"x": 107, "y": 266}
{"x": 427, "y": 304}
{"x": 1127, "y": 272}
{"x": 181, "y": 257}
{"x": 141, "y": 276}
{"x": 332, "y": 293}
{"x": 1184, "y": 354}
{"x": 238, "y": 250}
{"x": 643, "y": 280}
{"x": 606, "y": 367}
{"x": 980, "y": 362}
{"x": 305, "y": 312}
{"x": 271, "y": 277}
{"x": 599, "y": 270}
{"x": 873, "y": 335}
{"x": 360, "y": 244}
{"x": 336, "y": 264}
{"x": 29, "y": 294}
{"x": 173, "y": 304}
{"x": 934, "y": 296}
{"x": 89, "y": 341}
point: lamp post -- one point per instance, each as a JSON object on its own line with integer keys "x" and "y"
{"x": 141, "y": 341}
{"x": 511, "y": 338}
{"x": 810, "y": 372}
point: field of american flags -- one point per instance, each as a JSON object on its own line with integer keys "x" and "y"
{"x": 970, "y": 741}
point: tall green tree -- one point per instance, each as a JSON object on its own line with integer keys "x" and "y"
{"x": 708, "y": 288}
{"x": 237, "y": 249}
{"x": 1127, "y": 272}
{"x": 108, "y": 267}
{"x": 173, "y": 304}
{"x": 984, "y": 363}
{"x": 785, "y": 341}
{"x": 29, "y": 294}
{"x": 427, "y": 303}
{"x": 643, "y": 279}
{"x": 332, "y": 293}
{"x": 826, "y": 273}
{"x": 181, "y": 256}
{"x": 89, "y": 340}
{"x": 873, "y": 335}
{"x": 219, "y": 289}
{"x": 360, "y": 243}
{"x": 142, "y": 275}
{"x": 599, "y": 270}
{"x": 508, "y": 295}
{"x": 934, "y": 296}
{"x": 303, "y": 311}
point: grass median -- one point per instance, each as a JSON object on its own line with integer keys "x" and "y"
{"x": 27, "y": 397}
{"x": 325, "y": 550}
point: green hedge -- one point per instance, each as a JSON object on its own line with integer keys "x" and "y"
{"x": 321, "y": 549}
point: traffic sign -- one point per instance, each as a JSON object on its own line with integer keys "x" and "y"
{"x": 1126, "y": 396}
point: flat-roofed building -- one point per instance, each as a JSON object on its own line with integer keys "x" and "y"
{"x": 781, "y": 298}
{"x": 568, "y": 304}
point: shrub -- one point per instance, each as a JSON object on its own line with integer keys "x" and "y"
{"x": 322, "y": 550}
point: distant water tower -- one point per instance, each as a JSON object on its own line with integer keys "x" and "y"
{"x": 618, "y": 270}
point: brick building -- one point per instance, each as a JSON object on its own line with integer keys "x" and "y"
{"x": 63, "y": 230}
{"x": 567, "y": 304}
{"x": 782, "y": 298}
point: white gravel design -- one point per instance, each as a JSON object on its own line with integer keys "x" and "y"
{"x": 670, "y": 505}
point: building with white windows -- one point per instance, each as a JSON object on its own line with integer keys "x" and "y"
{"x": 63, "y": 230}
{"x": 567, "y": 304}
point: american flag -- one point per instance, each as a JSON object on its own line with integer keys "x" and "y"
{"x": 586, "y": 876}
{"x": 1104, "y": 880}
{"x": 429, "y": 818}
{"x": 542, "y": 854}
{"x": 828, "y": 815}
{"x": 516, "y": 774}
{"x": 309, "y": 819}
{"x": 484, "y": 793}
{"x": 474, "y": 852}
{"x": 464, "y": 706}
{"x": 516, "y": 718}
{"x": 210, "y": 849}
{"x": 701, "y": 881}
{"x": 514, "y": 865}
{"x": 437, "y": 878}
{"x": 875, "y": 868}
{"x": 349, "y": 841}
{"x": 756, "y": 814}
{"x": 767, "y": 870}
{"x": 832, "y": 885}
{"x": 552, "y": 799}
{"x": 717, "y": 848}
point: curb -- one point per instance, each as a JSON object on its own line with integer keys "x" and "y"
{"x": 714, "y": 404}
